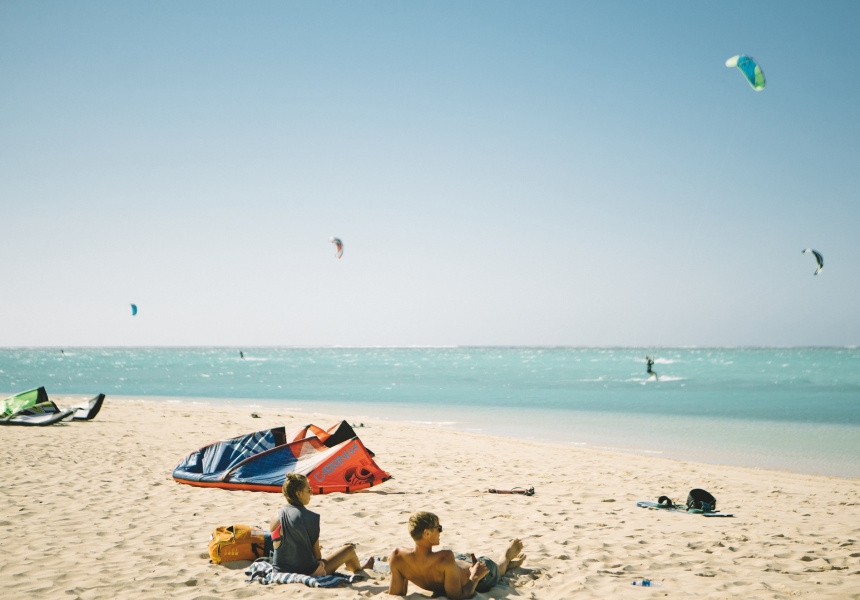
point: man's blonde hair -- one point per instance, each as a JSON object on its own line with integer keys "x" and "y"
{"x": 420, "y": 522}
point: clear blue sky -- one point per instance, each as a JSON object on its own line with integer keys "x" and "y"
{"x": 547, "y": 173}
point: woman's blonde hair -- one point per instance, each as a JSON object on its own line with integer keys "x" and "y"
{"x": 294, "y": 484}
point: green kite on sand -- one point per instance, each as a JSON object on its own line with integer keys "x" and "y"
{"x": 33, "y": 407}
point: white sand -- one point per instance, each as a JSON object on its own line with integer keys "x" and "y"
{"x": 89, "y": 510}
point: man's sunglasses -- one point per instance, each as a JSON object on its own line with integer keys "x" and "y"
{"x": 437, "y": 528}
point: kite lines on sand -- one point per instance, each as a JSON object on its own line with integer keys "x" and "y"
{"x": 338, "y": 245}
{"x": 750, "y": 68}
{"x": 818, "y": 259}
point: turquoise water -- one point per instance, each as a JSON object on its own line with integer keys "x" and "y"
{"x": 795, "y": 409}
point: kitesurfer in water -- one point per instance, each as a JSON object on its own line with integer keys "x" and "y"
{"x": 650, "y": 362}
{"x": 241, "y": 354}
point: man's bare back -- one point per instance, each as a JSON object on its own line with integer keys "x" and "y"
{"x": 430, "y": 571}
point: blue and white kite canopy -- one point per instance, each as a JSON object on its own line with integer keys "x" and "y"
{"x": 749, "y": 67}
{"x": 818, "y": 258}
{"x": 133, "y": 309}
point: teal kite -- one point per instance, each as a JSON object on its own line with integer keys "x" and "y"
{"x": 749, "y": 67}
{"x": 133, "y": 309}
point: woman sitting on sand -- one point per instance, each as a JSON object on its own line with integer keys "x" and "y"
{"x": 296, "y": 536}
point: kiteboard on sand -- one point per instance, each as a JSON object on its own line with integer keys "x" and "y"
{"x": 681, "y": 509}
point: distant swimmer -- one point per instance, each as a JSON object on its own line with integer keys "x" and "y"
{"x": 241, "y": 354}
{"x": 650, "y": 363}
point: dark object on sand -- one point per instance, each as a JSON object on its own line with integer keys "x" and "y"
{"x": 517, "y": 490}
{"x": 678, "y": 508}
{"x": 701, "y": 500}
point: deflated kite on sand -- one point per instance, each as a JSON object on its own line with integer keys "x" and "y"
{"x": 260, "y": 461}
{"x": 34, "y": 408}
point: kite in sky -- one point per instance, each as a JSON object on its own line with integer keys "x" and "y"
{"x": 749, "y": 67}
{"x": 133, "y": 309}
{"x": 818, "y": 258}
{"x": 337, "y": 244}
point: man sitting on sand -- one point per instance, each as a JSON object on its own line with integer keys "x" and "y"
{"x": 443, "y": 572}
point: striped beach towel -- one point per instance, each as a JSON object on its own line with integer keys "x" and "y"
{"x": 266, "y": 573}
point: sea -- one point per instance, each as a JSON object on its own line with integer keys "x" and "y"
{"x": 791, "y": 409}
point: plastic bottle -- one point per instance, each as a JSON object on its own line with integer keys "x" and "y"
{"x": 380, "y": 566}
{"x": 647, "y": 583}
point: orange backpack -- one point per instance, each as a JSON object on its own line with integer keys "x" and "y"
{"x": 236, "y": 542}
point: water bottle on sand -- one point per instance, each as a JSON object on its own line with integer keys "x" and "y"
{"x": 380, "y": 566}
{"x": 647, "y": 583}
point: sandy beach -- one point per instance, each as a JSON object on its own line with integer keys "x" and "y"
{"x": 89, "y": 510}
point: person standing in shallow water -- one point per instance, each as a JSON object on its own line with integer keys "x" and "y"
{"x": 650, "y": 363}
{"x": 296, "y": 536}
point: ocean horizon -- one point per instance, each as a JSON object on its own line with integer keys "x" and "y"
{"x": 788, "y": 408}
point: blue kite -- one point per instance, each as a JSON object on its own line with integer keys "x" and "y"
{"x": 750, "y": 68}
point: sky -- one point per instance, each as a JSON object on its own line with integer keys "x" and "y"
{"x": 501, "y": 173}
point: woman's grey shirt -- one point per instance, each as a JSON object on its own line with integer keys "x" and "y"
{"x": 300, "y": 530}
